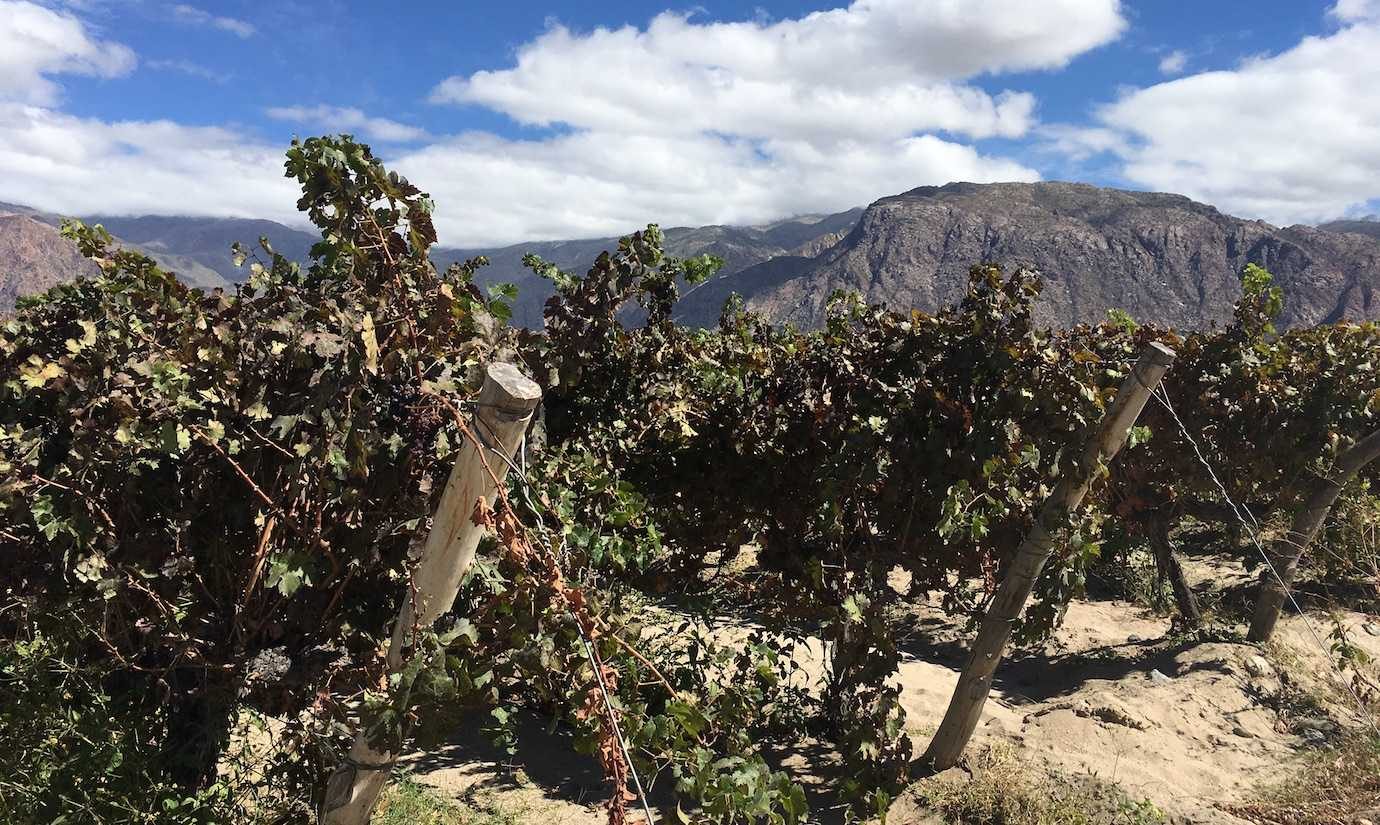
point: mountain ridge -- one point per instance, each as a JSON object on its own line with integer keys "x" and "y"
{"x": 1160, "y": 256}
{"x": 1368, "y": 226}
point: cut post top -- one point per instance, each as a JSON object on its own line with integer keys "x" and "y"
{"x": 508, "y": 390}
{"x": 1159, "y": 354}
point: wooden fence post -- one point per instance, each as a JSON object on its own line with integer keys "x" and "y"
{"x": 1285, "y": 553}
{"x": 975, "y": 682}
{"x": 504, "y": 408}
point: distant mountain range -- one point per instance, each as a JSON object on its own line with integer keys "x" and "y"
{"x": 1163, "y": 258}
{"x": 34, "y": 256}
{"x": 1369, "y": 225}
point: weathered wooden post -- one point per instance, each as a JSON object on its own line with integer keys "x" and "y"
{"x": 1285, "y": 553}
{"x": 504, "y": 408}
{"x": 975, "y": 683}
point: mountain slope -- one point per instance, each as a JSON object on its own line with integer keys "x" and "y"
{"x": 198, "y": 250}
{"x": 35, "y": 258}
{"x": 182, "y": 243}
{"x": 1364, "y": 226}
{"x": 740, "y": 247}
{"x": 1163, "y": 258}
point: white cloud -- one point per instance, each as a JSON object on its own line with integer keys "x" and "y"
{"x": 682, "y": 123}
{"x": 200, "y": 17}
{"x": 347, "y": 119}
{"x": 1079, "y": 143}
{"x": 1350, "y": 11}
{"x": 489, "y": 190}
{"x": 36, "y": 42}
{"x": 80, "y": 166}
{"x": 1290, "y": 137}
{"x": 1173, "y": 63}
{"x": 878, "y": 69}
{"x": 587, "y": 184}
{"x": 690, "y": 123}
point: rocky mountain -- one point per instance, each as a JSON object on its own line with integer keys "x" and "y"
{"x": 1162, "y": 258}
{"x": 198, "y": 250}
{"x": 1369, "y": 225}
{"x": 34, "y": 256}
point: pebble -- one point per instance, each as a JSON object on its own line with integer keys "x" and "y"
{"x": 1257, "y": 666}
{"x": 1159, "y": 678}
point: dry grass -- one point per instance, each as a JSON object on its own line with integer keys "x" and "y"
{"x": 1336, "y": 786}
{"x": 1003, "y": 790}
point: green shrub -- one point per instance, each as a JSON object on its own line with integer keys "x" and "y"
{"x": 76, "y": 751}
{"x": 1348, "y": 551}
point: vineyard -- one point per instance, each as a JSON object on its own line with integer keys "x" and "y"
{"x": 260, "y": 544}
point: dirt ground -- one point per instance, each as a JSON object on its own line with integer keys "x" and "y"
{"x": 1188, "y": 725}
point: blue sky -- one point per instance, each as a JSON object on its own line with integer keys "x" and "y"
{"x": 569, "y": 119}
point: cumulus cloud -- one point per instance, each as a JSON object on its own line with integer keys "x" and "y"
{"x": 79, "y": 166}
{"x": 200, "y": 17}
{"x": 1350, "y": 11}
{"x": 36, "y": 42}
{"x": 1289, "y": 137}
{"x": 1078, "y": 143}
{"x": 347, "y": 119}
{"x": 590, "y": 184}
{"x": 694, "y": 122}
{"x": 1173, "y": 63}
{"x": 876, "y": 69}
{"x": 489, "y": 190}
{"x": 682, "y": 122}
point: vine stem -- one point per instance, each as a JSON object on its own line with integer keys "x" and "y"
{"x": 95, "y": 504}
{"x": 501, "y": 494}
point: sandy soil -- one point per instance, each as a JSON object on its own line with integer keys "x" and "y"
{"x": 1186, "y": 725}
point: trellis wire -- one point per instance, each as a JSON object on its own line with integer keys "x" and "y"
{"x": 594, "y": 664}
{"x": 1161, "y": 395}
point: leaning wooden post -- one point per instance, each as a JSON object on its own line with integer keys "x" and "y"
{"x": 975, "y": 683}
{"x": 504, "y": 408}
{"x": 1285, "y": 553}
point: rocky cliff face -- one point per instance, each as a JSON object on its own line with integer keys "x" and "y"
{"x": 1162, "y": 258}
{"x": 34, "y": 257}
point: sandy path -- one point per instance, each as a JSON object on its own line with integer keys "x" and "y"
{"x": 1086, "y": 703}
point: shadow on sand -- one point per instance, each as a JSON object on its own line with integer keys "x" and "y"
{"x": 552, "y": 768}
